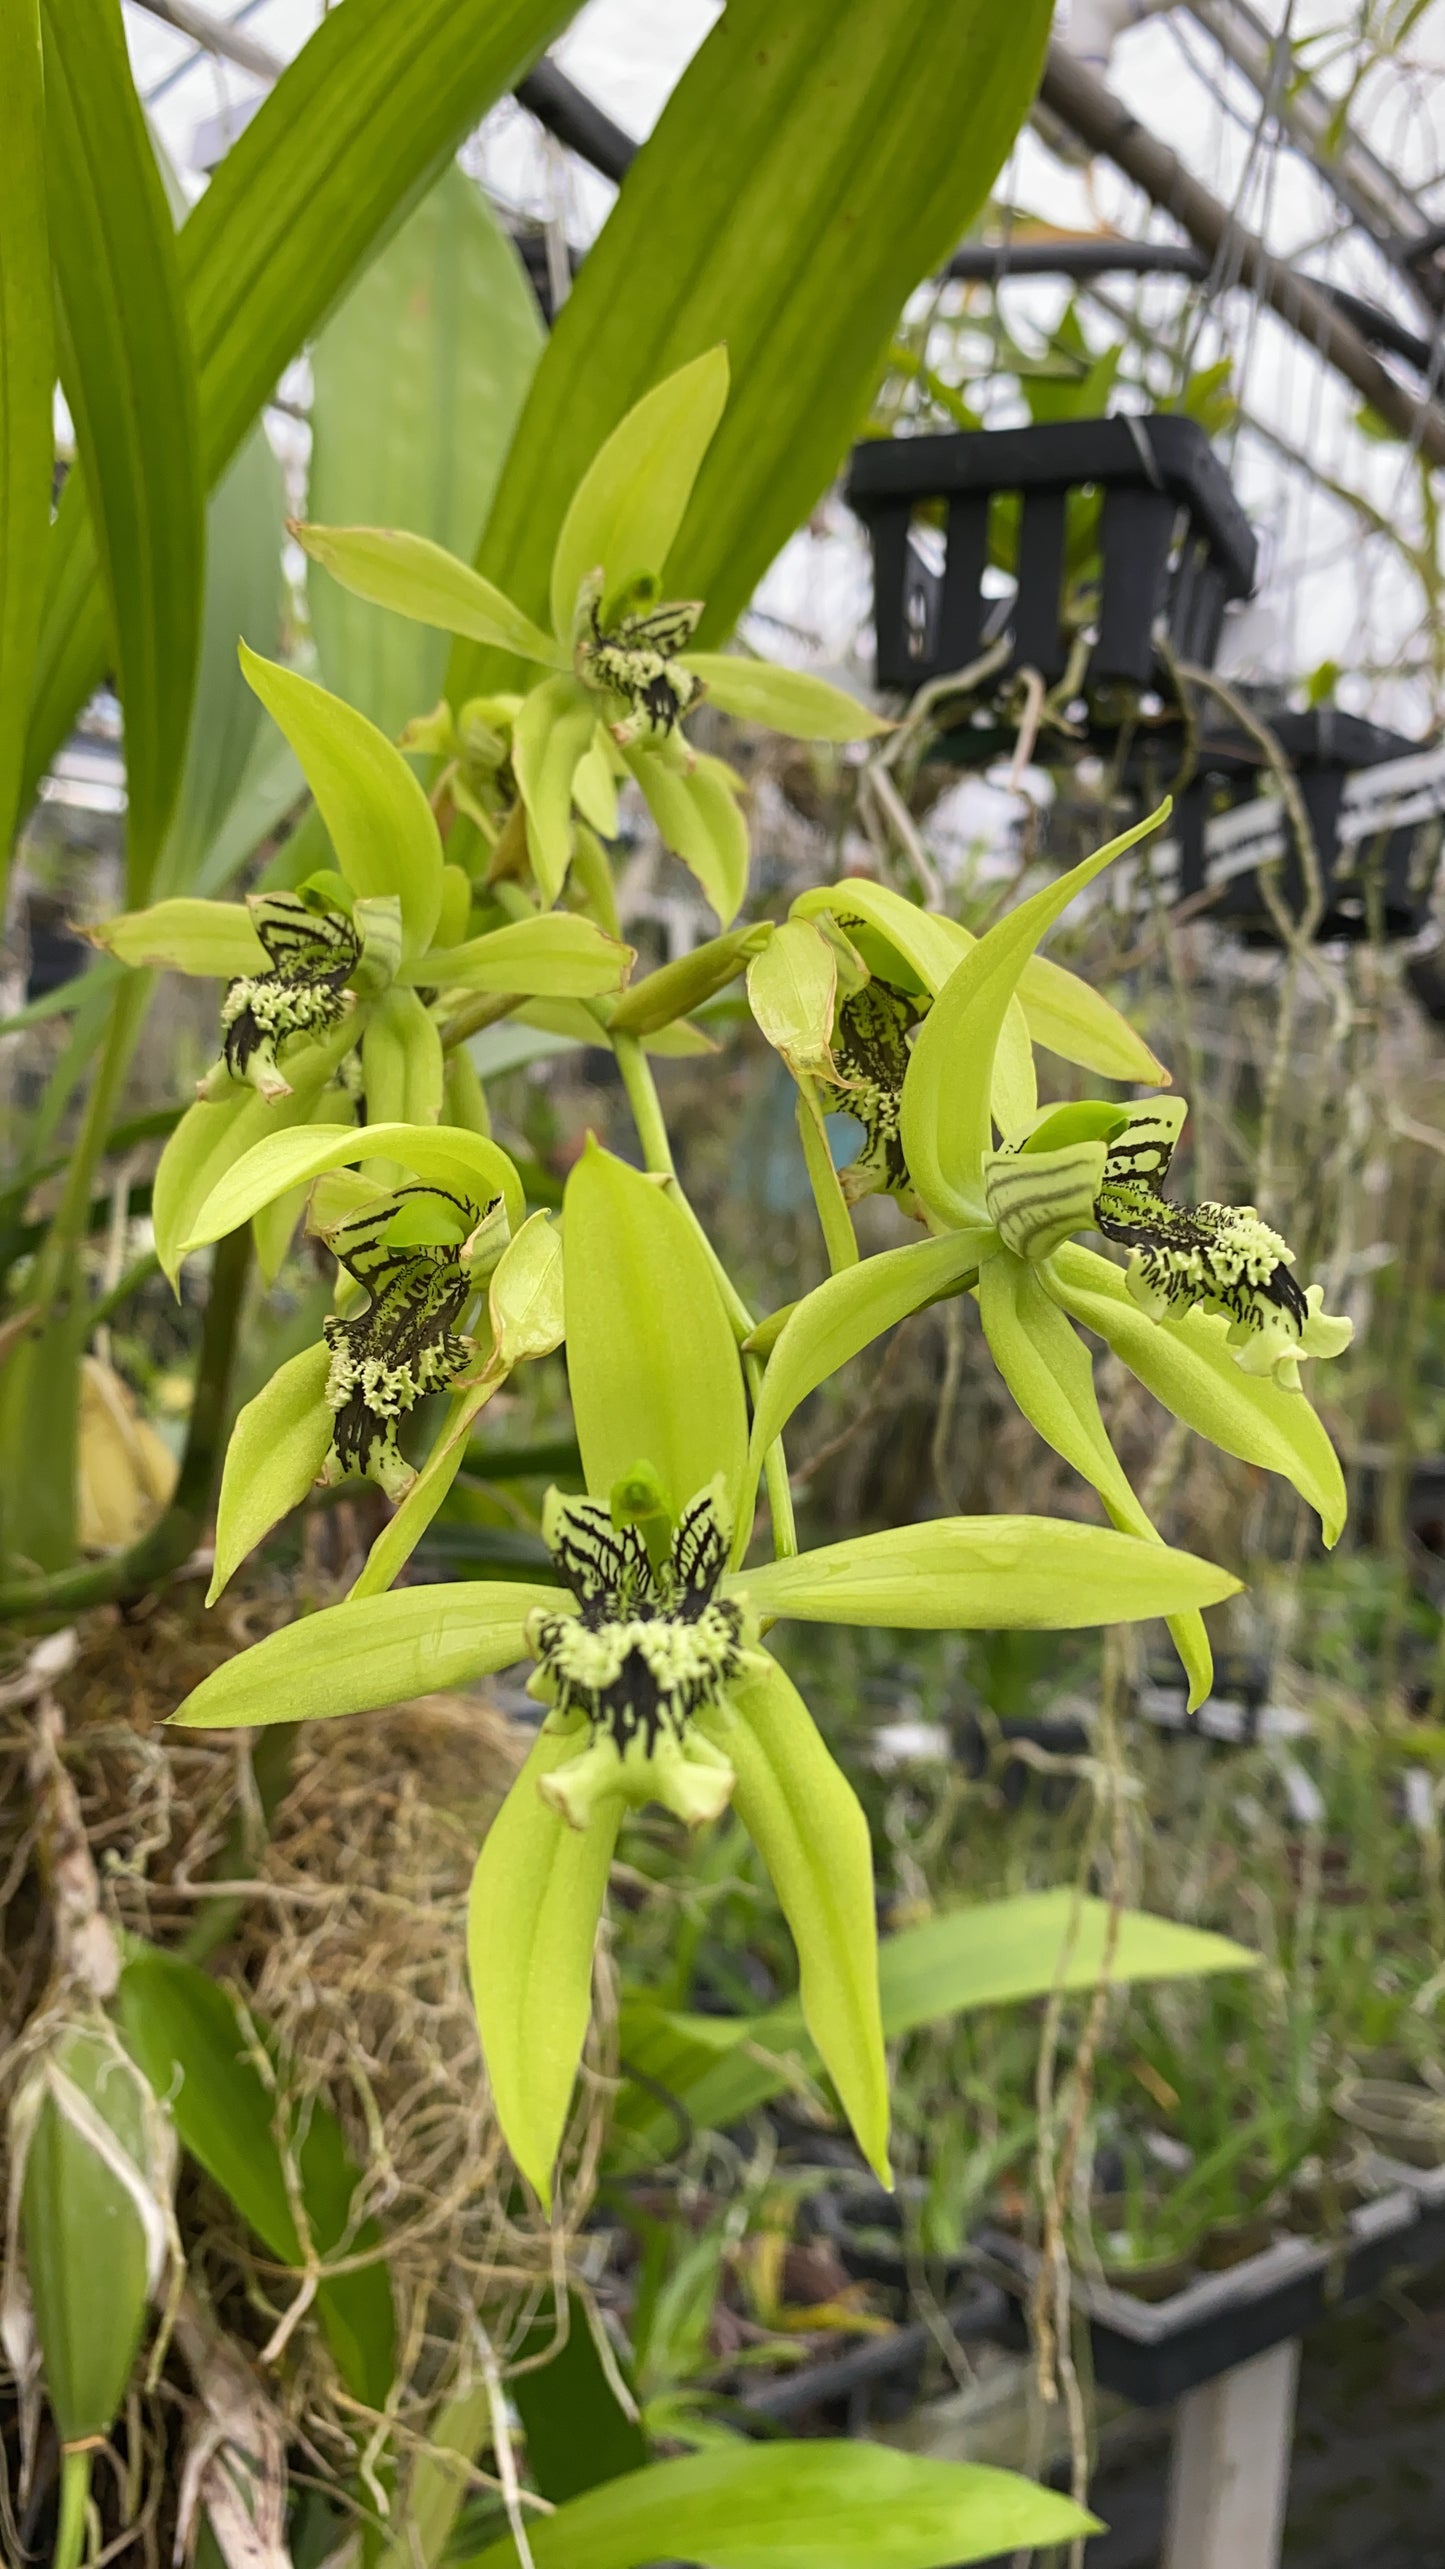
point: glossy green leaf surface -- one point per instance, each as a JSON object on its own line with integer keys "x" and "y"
{"x": 799, "y": 2506}
{"x": 536, "y": 1898}
{"x": 277, "y": 1447}
{"x": 1186, "y": 1365}
{"x": 947, "y": 1122}
{"x": 790, "y": 701}
{"x": 558, "y": 955}
{"x": 88, "y": 2224}
{"x": 379, "y": 820}
{"x": 417, "y": 383}
{"x": 807, "y": 1824}
{"x": 357, "y": 1658}
{"x": 651, "y": 1359}
{"x": 205, "y": 937}
{"x": 996, "y": 1953}
{"x": 358, "y": 125}
{"x": 183, "y": 2029}
{"x": 27, "y": 375}
{"x": 987, "y": 1574}
{"x": 764, "y": 212}
{"x": 1049, "y": 1372}
{"x": 244, "y": 594}
{"x": 623, "y": 517}
{"x": 440, "y": 1156}
{"x": 126, "y": 365}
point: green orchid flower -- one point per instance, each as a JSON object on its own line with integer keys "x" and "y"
{"x": 1208, "y": 1314}
{"x": 623, "y": 676}
{"x": 650, "y": 1657}
{"x": 353, "y": 984}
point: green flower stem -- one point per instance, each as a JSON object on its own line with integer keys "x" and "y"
{"x": 72, "y": 1215}
{"x": 645, "y": 1103}
{"x": 172, "y": 1540}
{"x": 488, "y": 1008}
{"x": 647, "y": 1115}
{"x": 74, "y": 2497}
{"x": 839, "y": 1238}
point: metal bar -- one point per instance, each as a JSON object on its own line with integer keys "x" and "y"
{"x": 216, "y": 36}
{"x": 1358, "y": 180}
{"x": 576, "y": 121}
{"x": 1102, "y": 121}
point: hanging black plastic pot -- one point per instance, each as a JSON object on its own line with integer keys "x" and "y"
{"x": 1374, "y": 801}
{"x": 1122, "y": 526}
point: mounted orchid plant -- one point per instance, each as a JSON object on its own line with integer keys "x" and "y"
{"x": 343, "y": 1090}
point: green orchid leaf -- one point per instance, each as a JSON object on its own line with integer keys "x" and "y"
{"x": 817, "y": 2505}
{"x": 380, "y": 822}
{"x": 1035, "y": 1199}
{"x": 367, "y": 114}
{"x": 1049, "y": 1372}
{"x": 551, "y": 736}
{"x": 183, "y": 2029}
{"x": 805, "y": 1820}
{"x": 996, "y": 1953}
{"x": 464, "y": 1163}
{"x": 786, "y": 700}
{"x": 947, "y": 1095}
{"x": 1186, "y": 1364}
{"x": 358, "y": 1658}
{"x": 417, "y": 382}
{"x": 402, "y": 1070}
{"x": 558, "y": 955}
{"x": 278, "y": 1445}
{"x": 1080, "y": 1025}
{"x": 128, "y": 369}
{"x": 27, "y": 371}
{"x": 214, "y": 939}
{"x": 793, "y": 992}
{"x": 697, "y": 815}
{"x": 841, "y": 1317}
{"x": 627, "y": 508}
{"x": 787, "y": 129}
{"x": 417, "y": 578}
{"x": 651, "y": 1359}
{"x": 536, "y": 1898}
{"x": 213, "y": 1135}
{"x": 986, "y": 1574}
{"x": 676, "y": 988}
{"x": 931, "y": 948}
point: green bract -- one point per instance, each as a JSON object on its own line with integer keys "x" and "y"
{"x": 624, "y": 676}
{"x": 648, "y": 1658}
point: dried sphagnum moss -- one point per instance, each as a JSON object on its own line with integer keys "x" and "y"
{"x": 345, "y": 1936}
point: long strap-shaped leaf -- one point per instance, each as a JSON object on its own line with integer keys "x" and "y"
{"x": 125, "y": 358}
{"x": 27, "y": 371}
{"x": 351, "y": 135}
{"x": 767, "y": 210}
